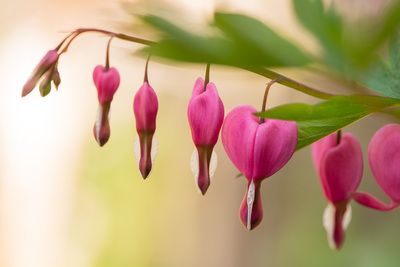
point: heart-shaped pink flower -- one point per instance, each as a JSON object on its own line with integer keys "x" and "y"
{"x": 258, "y": 150}
{"x": 145, "y": 107}
{"x": 205, "y": 115}
{"x": 384, "y": 160}
{"x": 106, "y": 81}
{"x": 339, "y": 164}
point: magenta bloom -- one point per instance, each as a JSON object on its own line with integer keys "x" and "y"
{"x": 205, "y": 114}
{"x": 47, "y": 67}
{"x": 384, "y": 160}
{"x": 106, "y": 81}
{"x": 339, "y": 163}
{"x": 145, "y": 107}
{"x": 258, "y": 150}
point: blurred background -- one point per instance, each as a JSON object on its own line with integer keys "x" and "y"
{"x": 66, "y": 202}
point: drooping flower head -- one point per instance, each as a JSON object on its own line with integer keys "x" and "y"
{"x": 384, "y": 160}
{"x": 339, "y": 163}
{"x": 46, "y": 69}
{"x": 145, "y": 107}
{"x": 258, "y": 148}
{"x": 205, "y": 115}
{"x": 107, "y": 82}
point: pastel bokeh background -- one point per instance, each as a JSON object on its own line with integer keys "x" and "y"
{"x": 66, "y": 202}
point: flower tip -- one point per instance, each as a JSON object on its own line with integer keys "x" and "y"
{"x": 145, "y": 171}
{"x": 251, "y": 212}
{"x": 203, "y": 187}
{"x": 101, "y": 128}
{"x": 203, "y": 169}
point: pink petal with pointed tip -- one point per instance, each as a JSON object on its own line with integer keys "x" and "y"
{"x": 145, "y": 107}
{"x": 205, "y": 114}
{"x": 372, "y": 202}
{"x": 384, "y": 159}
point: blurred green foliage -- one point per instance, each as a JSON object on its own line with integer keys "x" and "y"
{"x": 348, "y": 51}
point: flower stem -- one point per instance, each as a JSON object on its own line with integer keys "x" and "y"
{"x": 107, "y": 54}
{"x": 207, "y": 78}
{"x": 258, "y": 70}
{"x": 291, "y": 83}
{"x": 146, "y": 77}
{"x": 264, "y": 104}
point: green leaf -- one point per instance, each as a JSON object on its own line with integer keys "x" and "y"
{"x": 347, "y": 47}
{"x": 259, "y": 42}
{"x": 234, "y": 40}
{"x": 382, "y": 77}
{"x": 317, "y": 121}
{"x": 394, "y": 54}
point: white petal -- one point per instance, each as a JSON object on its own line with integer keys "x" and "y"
{"x": 194, "y": 165}
{"x": 154, "y": 150}
{"x": 213, "y": 164}
{"x": 98, "y": 122}
{"x": 250, "y": 201}
{"x": 136, "y": 149}
{"x": 347, "y": 217}
{"x": 329, "y": 223}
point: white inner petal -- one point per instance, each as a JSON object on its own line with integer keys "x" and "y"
{"x": 154, "y": 150}
{"x": 194, "y": 165}
{"x": 329, "y": 223}
{"x": 98, "y": 122}
{"x": 250, "y": 201}
{"x": 347, "y": 216}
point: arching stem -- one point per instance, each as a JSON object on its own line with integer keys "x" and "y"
{"x": 264, "y": 104}
{"x": 108, "y": 54}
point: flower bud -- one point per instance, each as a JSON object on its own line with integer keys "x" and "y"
{"x": 339, "y": 163}
{"x": 205, "y": 115}
{"x": 258, "y": 150}
{"x": 106, "y": 81}
{"x": 45, "y": 64}
{"x": 145, "y": 107}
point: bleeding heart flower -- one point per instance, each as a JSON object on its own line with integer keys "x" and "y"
{"x": 384, "y": 160}
{"x": 47, "y": 67}
{"x": 339, "y": 164}
{"x": 205, "y": 115}
{"x": 106, "y": 81}
{"x": 145, "y": 107}
{"x": 258, "y": 149}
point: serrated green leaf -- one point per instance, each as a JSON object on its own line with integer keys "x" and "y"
{"x": 317, "y": 121}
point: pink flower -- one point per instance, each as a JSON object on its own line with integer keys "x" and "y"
{"x": 106, "y": 81}
{"x": 258, "y": 150}
{"x": 339, "y": 164}
{"x": 47, "y": 67}
{"x": 384, "y": 160}
{"x": 205, "y": 115}
{"x": 145, "y": 107}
